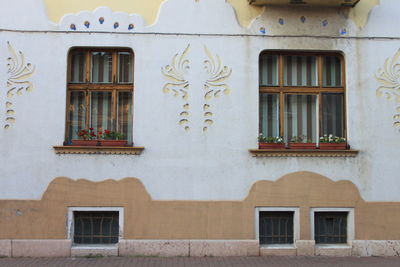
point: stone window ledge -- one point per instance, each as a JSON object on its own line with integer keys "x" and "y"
{"x": 303, "y": 153}
{"x": 128, "y": 150}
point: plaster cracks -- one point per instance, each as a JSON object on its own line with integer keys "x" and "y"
{"x": 19, "y": 72}
{"x": 389, "y": 78}
{"x": 176, "y": 73}
{"x": 214, "y": 86}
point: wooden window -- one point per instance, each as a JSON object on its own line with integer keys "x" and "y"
{"x": 302, "y": 94}
{"x": 100, "y": 91}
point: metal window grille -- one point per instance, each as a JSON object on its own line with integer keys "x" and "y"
{"x": 96, "y": 227}
{"x": 276, "y": 227}
{"x": 330, "y": 227}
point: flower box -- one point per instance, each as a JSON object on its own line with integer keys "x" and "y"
{"x": 333, "y": 146}
{"x": 263, "y": 145}
{"x": 302, "y": 145}
{"x": 113, "y": 142}
{"x": 79, "y": 142}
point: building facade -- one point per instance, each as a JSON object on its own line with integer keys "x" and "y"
{"x": 190, "y": 85}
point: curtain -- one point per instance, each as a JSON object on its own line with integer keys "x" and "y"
{"x": 269, "y": 70}
{"x": 301, "y": 117}
{"x": 300, "y": 71}
{"x": 124, "y": 114}
{"x": 332, "y": 74}
{"x": 332, "y": 114}
{"x": 78, "y": 67}
{"x": 101, "y": 67}
{"x": 100, "y": 110}
{"x": 77, "y": 113}
{"x": 125, "y": 67}
{"x": 269, "y": 114}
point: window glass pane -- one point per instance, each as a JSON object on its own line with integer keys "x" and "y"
{"x": 276, "y": 227}
{"x": 332, "y": 114}
{"x": 269, "y": 70}
{"x": 100, "y": 111}
{"x": 77, "y": 114}
{"x": 300, "y": 71}
{"x": 301, "y": 117}
{"x": 124, "y": 113}
{"x": 101, "y": 67}
{"x": 78, "y": 67}
{"x": 332, "y": 71}
{"x": 330, "y": 227}
{"x": 96, "y": 227}
{"x": 269, "y": 114}
{"x": 125, "y": 67}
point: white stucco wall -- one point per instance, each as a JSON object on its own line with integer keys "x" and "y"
{"x": 197, "y": 165}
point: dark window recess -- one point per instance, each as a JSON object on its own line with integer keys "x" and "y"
{"x": 96, "y": 227}
{"x": 276, "y": 227}
{"x": 330, "y": 227}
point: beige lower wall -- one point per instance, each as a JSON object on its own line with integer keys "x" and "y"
{"x": 166, "y": 220}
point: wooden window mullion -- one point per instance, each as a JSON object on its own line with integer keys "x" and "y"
{"x": 281, "y": 97}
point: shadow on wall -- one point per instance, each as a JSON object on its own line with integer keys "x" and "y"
{"x": 151, "y": 219}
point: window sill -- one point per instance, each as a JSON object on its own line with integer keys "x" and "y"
{"x": 126, "y": 150}
{"x": 276, "y": 246}
{"x": 302, "y": 153}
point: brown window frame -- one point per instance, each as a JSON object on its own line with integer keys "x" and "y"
{"x": 88, "y": 87}
{"x": 318, "y": 90}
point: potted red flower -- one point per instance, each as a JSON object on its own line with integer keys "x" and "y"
{"x": 331, "y": 142}
{"x": 102, "y": 138}
{"x": 112, "y": 138}
{"x": 301, "y": 142}
{"x": 86, "y": 138}
{"x": 270, "y": 142}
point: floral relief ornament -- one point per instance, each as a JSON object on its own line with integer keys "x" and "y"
{"x": 179, "y": 85}
{"x": 19, "y": 71}
{"x": 389, "y": 78}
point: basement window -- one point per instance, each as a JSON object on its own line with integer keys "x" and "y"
{"x": 332, "y": 226}
{"x": 95, "y": 226}
{"x": 277, "y": 226}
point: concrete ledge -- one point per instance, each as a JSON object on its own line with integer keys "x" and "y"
{"x": 164, "y": 248}
{"x": 333, "y": 251}
{"x": 94, "y": 251}
{"x": 376, "y": 248}
{"x": 305, "y": 247}
{"x": 5, "y": 248}
{"x": 41, "y": 248}
{"x": 265, "y": 251}
{"x": 203, "y": 248}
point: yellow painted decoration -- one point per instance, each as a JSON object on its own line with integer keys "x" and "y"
{"x": 359, "y": 14}
{"x": 149, "y": 9}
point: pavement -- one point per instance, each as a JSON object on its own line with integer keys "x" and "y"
{"x": 204, "y": 261}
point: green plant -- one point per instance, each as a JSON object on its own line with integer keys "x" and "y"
{"x": 297, "y": 139}
{"x": 106, "y": 134}
{"x": 332, "y": 139}
{"x": 112, "y": 135}
{"x": 87, "y": 134}
{"x": 270, "y": 139}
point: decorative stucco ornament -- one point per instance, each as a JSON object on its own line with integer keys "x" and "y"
{"x": 19, "y": 72}
{"x": 389, "y": 78}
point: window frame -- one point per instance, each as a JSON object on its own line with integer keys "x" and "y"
{"x": 296, "y": 224}
{"x": 318, "y": 90}
{"x": 350, "y": 225}
{"x": 71, "y": 222}
{"x": 87, "y": 87}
